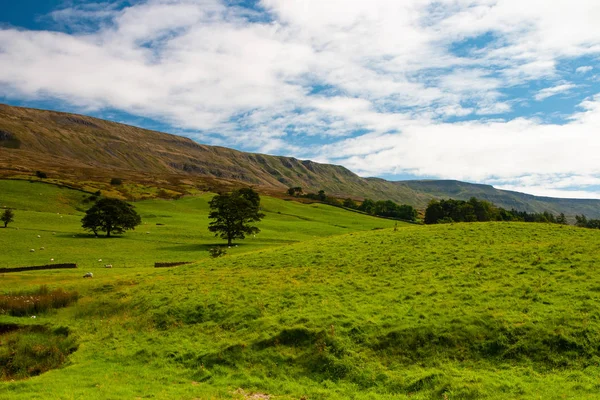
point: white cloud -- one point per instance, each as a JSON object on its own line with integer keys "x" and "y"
{"x": 584, "y": 69}
{"x": 553, "y": 91}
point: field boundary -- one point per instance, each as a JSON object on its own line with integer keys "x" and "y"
{"x": 171, "y": 264}
{"x": 38, "y": 268}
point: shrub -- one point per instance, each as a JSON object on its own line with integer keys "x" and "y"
{"x": 41, "y": 175}
{"x": 116, "y": 181}
{"x": 217, "y": 251}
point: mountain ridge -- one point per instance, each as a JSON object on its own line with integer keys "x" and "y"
{"x": 84, "y": 147}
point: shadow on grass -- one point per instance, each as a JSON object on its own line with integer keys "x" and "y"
{"x": 205, "y": 247}
{"x": 192, "y": 247}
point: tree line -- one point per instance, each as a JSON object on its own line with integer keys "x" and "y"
{"x": 474, "y": 210}
{"x": 381, "y": 208}
{"x": 582, "y": 221}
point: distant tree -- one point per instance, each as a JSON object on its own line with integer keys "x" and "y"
{"x": 233, "y": 214}
{"x": 434, "y": 212}
{"x": 321, "y": 195}
{"x": 349, "y": 203}
{"x": 7, "y": 217}
{"x": 561, "y": 219}
{"x": 581, "y": 220}
{"x": 295, "y": 191}
{"x": 367, "y": 206}
{"x": 110, "y": 216}
{"x": 41, "y": 175}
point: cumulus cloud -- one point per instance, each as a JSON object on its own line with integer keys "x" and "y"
{"x": 387, "y": 87}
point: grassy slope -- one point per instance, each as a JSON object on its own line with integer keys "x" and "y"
{"x": 177, "y": 229}
{"x": 80, "y": 148}
{"x": 494, "y": 310}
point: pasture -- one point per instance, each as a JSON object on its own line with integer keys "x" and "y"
{"x": 319, "y": 306}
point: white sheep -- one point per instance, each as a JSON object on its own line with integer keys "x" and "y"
{"x": 52, "y": 259}
{"x": 31, "y": 250}
{"x": 42, "y": 248}
{"x": 108, "y": 266}
{"x": 88, "y": 275}
{"x": 39, "y": 236}
{"x": 99, "y": 260}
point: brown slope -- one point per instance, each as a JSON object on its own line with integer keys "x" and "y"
{"x": 81, "y": 147}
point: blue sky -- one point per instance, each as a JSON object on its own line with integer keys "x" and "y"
{"x": 503, "y": 92}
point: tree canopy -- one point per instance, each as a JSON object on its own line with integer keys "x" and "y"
{"x": 7, "y": 217}
{"x": 233, "y": 214}
{"x": 112, "y": 216}
{"x": 474, "y": 210}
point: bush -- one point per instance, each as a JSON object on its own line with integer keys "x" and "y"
{"x": 41, "y": 175}
{"x": 217, "y": 251}
{"x": 116, "y": 181}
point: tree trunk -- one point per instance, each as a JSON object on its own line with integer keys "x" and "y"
{"x": 108, "y": 232}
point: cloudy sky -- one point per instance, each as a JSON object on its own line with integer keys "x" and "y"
{"x": 505, "y": 92}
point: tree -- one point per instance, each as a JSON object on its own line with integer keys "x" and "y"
{"x": 233, "y": 212}
{"x": 295, "y": 191}
{"x": 349, "y": 203}
{"x": 7, "y": 217}
{"x": 110, "y": 216}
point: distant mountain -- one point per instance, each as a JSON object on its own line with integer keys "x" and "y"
{"x": 86, "y": 148}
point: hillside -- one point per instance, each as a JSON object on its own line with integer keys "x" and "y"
{"x": 454, "y": 311}
{"x": 80, "y": 148}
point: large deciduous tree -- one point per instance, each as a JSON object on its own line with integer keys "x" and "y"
{"x": 233, "y": 214}
{"x": 112, "y": 216}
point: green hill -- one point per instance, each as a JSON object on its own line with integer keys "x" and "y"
{"x": 85, "y": 149}
{"x": 321, "y": 306}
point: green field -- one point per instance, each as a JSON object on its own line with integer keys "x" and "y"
{"x": 317, "y": 306}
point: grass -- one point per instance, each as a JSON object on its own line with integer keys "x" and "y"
{"x": 38, "y": 301}
{"x": 322, "y": 306}
{"x": 171, "y": 230}
{"x": 32, "y": 350}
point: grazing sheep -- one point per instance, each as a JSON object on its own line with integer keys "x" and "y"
{"x": 108, "y": 266}
{"x": 88, "y": 275}
{"x": 52, "y": 259}
{"x": 42, "y": 248}
{"x": 31, "y": 250}
{"x": 99, "y": 260}
{"x": 39, "y": 236}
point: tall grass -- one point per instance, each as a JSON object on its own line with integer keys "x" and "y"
{"x": 30, "y": 351}
{"x": 39, "y": 301}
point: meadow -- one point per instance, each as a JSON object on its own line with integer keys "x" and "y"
{"x": 323, "y": 304}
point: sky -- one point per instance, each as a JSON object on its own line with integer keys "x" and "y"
{"x": 502, "y": 92}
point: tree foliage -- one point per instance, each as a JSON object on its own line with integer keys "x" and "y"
{"x": 233, "y": 214}
{"x": 389, "y": 209}
{"x": 7, "y": 217}
{"x": 295, "y": 191}
{"x": 583, "y": 222}
{"x": 112, "y": 216}
{"x": 474, "y": 210}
